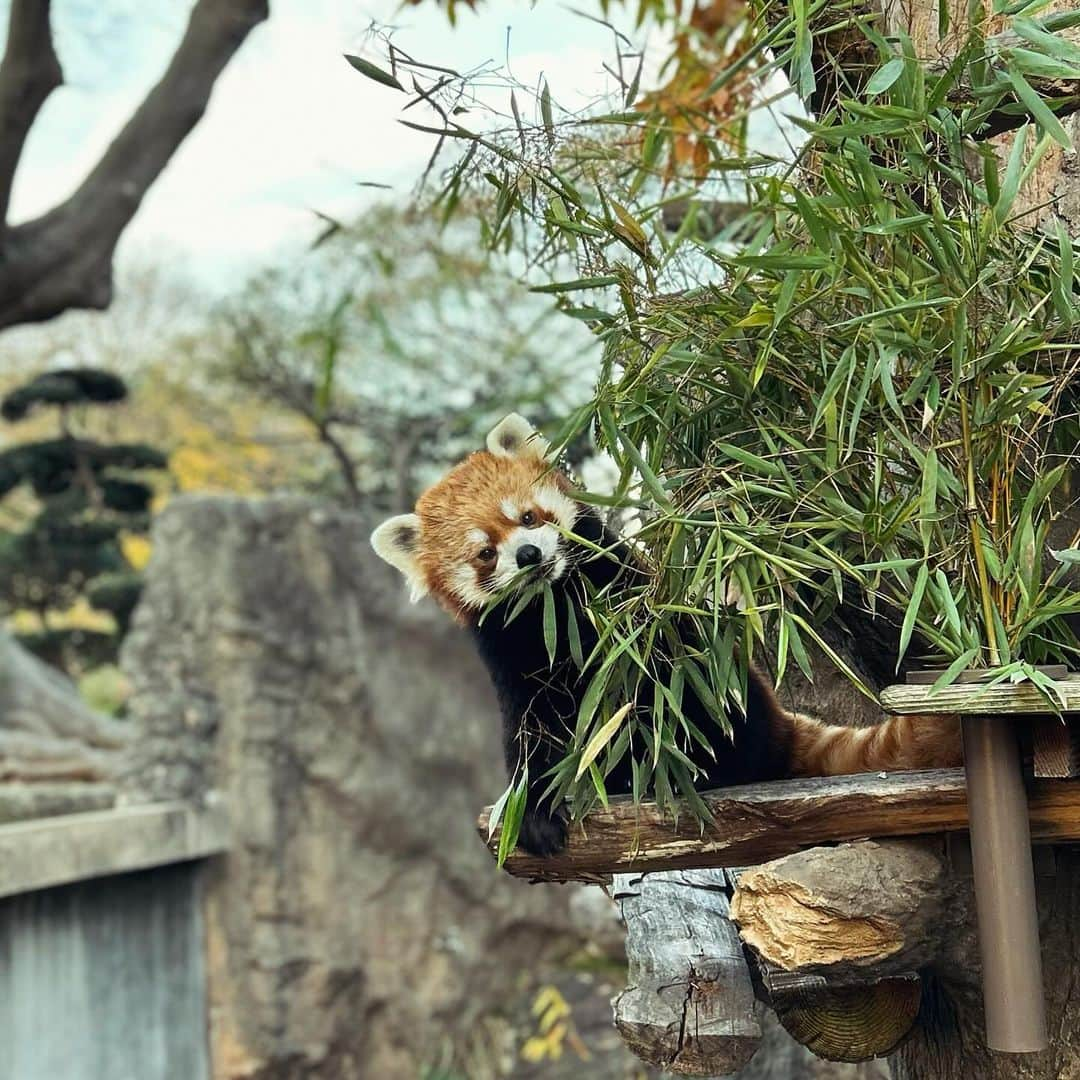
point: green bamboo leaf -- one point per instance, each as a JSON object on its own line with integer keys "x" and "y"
{"x": 1049, "y": 43}
{"x": 928, "y": 498}
{"x": 948, "y": 602}
{"x": 885, "y": 76}
{"x": 551, "y": 629}
{"x": 545, "y": 112}
{"x": 372, "y": 71}
{"x": 513, "y": 816}
{"x": 573, "y": 635}
{"x": 961, "y": 663}
{"x": 578, "y": 283}
{"x": 1010, "y": 184}
{"x": 912, "y": 611}
{"x": 1040, "y": 111}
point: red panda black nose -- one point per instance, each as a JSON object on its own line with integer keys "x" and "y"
{"x": 528, "y": 555}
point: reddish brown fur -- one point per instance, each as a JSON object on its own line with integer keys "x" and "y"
{"x": 897, "y": 743}
{"x": 469, "y": 497}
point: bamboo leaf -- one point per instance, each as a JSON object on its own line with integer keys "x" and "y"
{"x": 602, "y": 737}
{"x": 912, "y": 611}
{"x": 885, "y": 76}
{"x": 374, "y": 72}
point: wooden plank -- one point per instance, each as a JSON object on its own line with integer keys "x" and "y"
{"x": 758, "y": 822}
{"x": 962, "y": 698}
{"x": 1056, "y": 746}
{"x": 59, "y": 850}
{"x": 930, "y": 676}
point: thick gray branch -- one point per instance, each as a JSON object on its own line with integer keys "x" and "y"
{"x": 29, "y": 72}
{"x": 64, "y": 258}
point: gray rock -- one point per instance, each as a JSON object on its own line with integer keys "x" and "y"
{"x": 358, "y": 927}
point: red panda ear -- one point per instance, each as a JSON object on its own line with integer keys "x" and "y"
{"x": 397, "y": 540}
{"x": 515, "y": 437}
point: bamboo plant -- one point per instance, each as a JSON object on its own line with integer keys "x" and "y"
{"x": 869, "y": 400}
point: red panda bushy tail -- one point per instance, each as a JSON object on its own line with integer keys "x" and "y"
{"x": 901, "y": 742}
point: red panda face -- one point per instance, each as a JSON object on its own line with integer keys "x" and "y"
{"x": 496, "y": 518}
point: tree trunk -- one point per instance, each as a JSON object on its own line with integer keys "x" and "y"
{"x": 688, "y": 1006}
{"x": 63, "y": 259}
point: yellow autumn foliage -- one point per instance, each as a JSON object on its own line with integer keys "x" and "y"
{"x": 214, "y": 444}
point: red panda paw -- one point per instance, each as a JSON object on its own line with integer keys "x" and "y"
{"x": 542, "y": 832}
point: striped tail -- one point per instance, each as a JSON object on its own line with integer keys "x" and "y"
{"x": 901, "y": 742}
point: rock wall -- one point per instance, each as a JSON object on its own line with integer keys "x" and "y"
{"x": 358, "y": 928}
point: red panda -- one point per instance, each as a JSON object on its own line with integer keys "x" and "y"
{"x": 505, "y": 510}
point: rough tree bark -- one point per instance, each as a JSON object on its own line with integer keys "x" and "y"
{"x": 877, "y": 909}
{"x": 689, "y": 1001}
{"x": 63, "y": 259}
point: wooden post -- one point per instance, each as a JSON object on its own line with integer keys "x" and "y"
{"x": 1004, "y": 887}
{"x": 688, "y": 1006}
{"x": 1013, "y": 991}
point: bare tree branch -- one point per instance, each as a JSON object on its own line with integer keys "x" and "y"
{"x": 64, "y": 258}
{"x": 29, "y": 72}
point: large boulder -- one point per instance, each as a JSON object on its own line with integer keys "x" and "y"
{"x": 358, "y": 926}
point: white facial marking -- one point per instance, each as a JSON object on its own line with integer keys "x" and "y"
{"x": 510, "y": 510}
{"x": 545, "y": 537}
{"x": 464, "y": 586}
{"x": 476, "y": 536}
{"x": 558, "y": 504}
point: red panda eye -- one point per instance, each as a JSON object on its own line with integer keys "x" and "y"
{"x": 528, "y": 518}
{"x": 487, "y": 554}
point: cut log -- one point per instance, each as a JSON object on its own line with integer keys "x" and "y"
{"x": 850, "y": 913}
{"x": 688, "y": 1006}
{"x": 758, "y": 822}
{"x": 853, "y": 925}
{"x": 852, "y": 1023}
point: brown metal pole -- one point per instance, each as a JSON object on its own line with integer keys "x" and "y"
{"x": 1004, "y": 887}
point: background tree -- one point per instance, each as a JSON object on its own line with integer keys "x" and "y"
{"x": 399, "y": 343}
{"x": 63, "y": 259}
{"x": 87, "y": 496}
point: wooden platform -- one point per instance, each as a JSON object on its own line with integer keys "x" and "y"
{"x": 758, "y": 822}
{"x": 967, "y": 698}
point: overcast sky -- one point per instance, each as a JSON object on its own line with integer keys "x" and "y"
{"x": 291, "y": 127}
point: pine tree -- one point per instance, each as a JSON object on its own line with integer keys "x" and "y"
{"x": 87, "y": 497}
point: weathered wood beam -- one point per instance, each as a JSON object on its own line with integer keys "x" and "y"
{"x": 688, "y": 1007}
{"x": 972, "y": 698}
{"x": 758, "y": 822}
